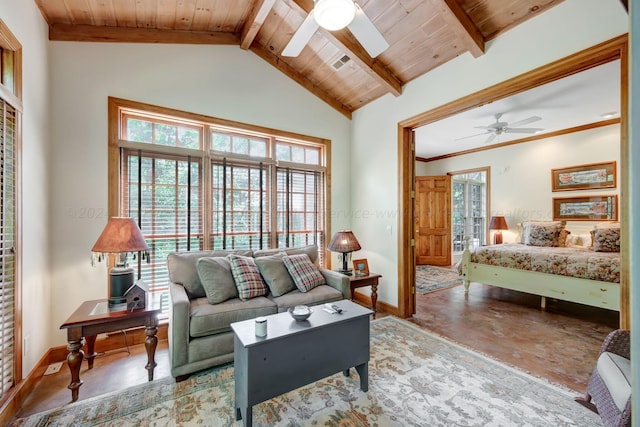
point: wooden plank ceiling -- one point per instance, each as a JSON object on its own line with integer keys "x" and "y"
{"x": 422, "y": 34}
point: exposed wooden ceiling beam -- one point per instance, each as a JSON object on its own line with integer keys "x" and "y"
{"x": 91, "y": 33}
{"x": 274, "y": 60}
{"x": 463, "y": 26}
{"x": 259, "y": 13}
{"x": 357, "y": 53}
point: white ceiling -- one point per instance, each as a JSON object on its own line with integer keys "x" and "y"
{"x": 572, "y": 101}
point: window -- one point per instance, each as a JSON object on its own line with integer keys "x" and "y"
{"x": 10, "y": 119}
{"x": 469, "y": 207}
{"x": 195, "y": 183}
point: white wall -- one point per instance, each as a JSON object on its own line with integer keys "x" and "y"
{"x": 571, "y": 26}
{"x": 220, "y": 81}
{"x": 25, "y": 22}
{"x": 521, "y": 173}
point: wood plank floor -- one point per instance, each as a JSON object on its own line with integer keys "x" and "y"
{"x": 559, "y": 344}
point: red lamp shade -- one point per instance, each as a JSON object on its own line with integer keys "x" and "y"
{"x": 498, "y": 223}
{"x": 120, "y": 235}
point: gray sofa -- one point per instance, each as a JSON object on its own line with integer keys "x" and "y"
{"x": 200, "y": 335}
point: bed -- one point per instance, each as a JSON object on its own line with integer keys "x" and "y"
{"x": 577, "y": 274}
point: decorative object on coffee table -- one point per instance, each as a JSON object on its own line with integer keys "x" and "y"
{"x": 344, "y": 242}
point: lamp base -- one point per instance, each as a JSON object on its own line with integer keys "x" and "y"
{"x": 497, "y": 238}
{"x": 120, "y": 279}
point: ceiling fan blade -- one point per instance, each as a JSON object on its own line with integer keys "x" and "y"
{"x": 301, "y": 37}
{"x": 491, "y": 138}
{"x": 525, "y": 121}
{"x": 367, "y": 34}
{"x": 522, "y": 130}
{"x": 471, "y": 136}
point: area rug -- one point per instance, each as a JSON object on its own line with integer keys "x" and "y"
{"x": 415, "y": 379}
{"x": 430, "y": 278}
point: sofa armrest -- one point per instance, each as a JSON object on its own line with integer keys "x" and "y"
{"x": 178, "y": 325}
{"x": 338, "y": 281}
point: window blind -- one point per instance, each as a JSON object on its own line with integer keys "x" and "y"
{"x": 162, "y": 192}
{"x": 240, "y": 206}
{"x": 8, "y": 123}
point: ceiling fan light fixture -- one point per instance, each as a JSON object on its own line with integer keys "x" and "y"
{"x": 334, "y": 15}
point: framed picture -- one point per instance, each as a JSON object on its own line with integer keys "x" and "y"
{"x": 588, "y": 208}
{"x": 360, "y": 267}
{"x": 584, "y": 177}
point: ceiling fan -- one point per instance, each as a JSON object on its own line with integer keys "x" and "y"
{"x": 498, "y": 128}
{"x": 334, "y": 15}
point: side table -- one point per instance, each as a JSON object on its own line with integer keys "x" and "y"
{"x": 95, "y": 317}
{"x": 370, "y": 280}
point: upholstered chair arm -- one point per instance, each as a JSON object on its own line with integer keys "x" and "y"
{"x": 618, "y": 342}
{"x": 338, "y": 281}
{"x": 178, "y": 325}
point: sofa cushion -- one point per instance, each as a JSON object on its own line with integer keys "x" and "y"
{"x": 311, "y": 250}
{"x": 217, "y": 281}
{"x": 182, "y": 269}
{"x": 317, "y": 295}
{"x": 208, "y": 319}
{"x": 615, "y": 372}
{"x": 247, "y": 277}
{"x": 304, "y": 273}
{"x": 275, "y": 274}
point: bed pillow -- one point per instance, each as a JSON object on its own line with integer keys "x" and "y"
{"x": 606, "y": 238}
{"x": 304, "y": 273}
{"x": 216, "y": 278}
{"x": 542, "y": 233}
{"x": 275, "y": 274}
{"x": 247, "y": 277}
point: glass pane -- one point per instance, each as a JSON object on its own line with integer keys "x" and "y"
{"x": 139, "y": 131}
{"x": 220, "y": 142}
{"x": 297, "y": 154}
{"x": 312, "y": 156}
{"x": 188, "y": 138}
{"x": 240, "y": 145}
{"x": 283, "y": 152}
{"x": 258, "y": 148}
{"x": 166, "y": 134}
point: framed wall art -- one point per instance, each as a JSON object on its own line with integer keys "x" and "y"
{"x": 361, "y": 267}
{"x": 587, "y": 208}
{"x": 584, "y": 177}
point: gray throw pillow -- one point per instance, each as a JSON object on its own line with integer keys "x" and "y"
{"x": 275, "y": 274}
{"x": 216, "y": 278}
{"x": 182, "y": 269}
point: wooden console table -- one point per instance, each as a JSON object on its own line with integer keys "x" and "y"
{"x": 369, "y": 280}
{"x": 95, "y": 317}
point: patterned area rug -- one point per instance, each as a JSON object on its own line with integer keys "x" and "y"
{"x": 415, "y": 379}
{"x": 430, "y": 278}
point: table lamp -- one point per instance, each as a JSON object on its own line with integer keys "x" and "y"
{"x": 498, "y": 223}
{"x": 120, "y": 236}
{"x": 344, "y": 242}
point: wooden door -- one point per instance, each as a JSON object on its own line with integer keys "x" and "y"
{"x": 433, "y": 220}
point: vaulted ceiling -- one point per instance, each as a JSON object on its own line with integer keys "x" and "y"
{"x": 422, "y": 34}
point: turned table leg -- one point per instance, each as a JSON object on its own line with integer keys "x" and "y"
{"x": 374, "y": 297}
{"x": 74, "y": 359}
{"x": 91, "y": 344}
{"x": 150, "y": 343}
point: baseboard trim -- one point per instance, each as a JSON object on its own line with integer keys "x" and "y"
{"x": 382, "y": 306}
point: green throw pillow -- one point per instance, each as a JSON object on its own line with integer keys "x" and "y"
{"x": 275, "y": 274}
{"x": 217, "y": 281}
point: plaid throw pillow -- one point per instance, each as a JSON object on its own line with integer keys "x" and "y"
{"x": 304, "y": 273}
{"x": 247, "y": 277}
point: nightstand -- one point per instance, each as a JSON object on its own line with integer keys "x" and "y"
{"x": 362, "y": 281}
